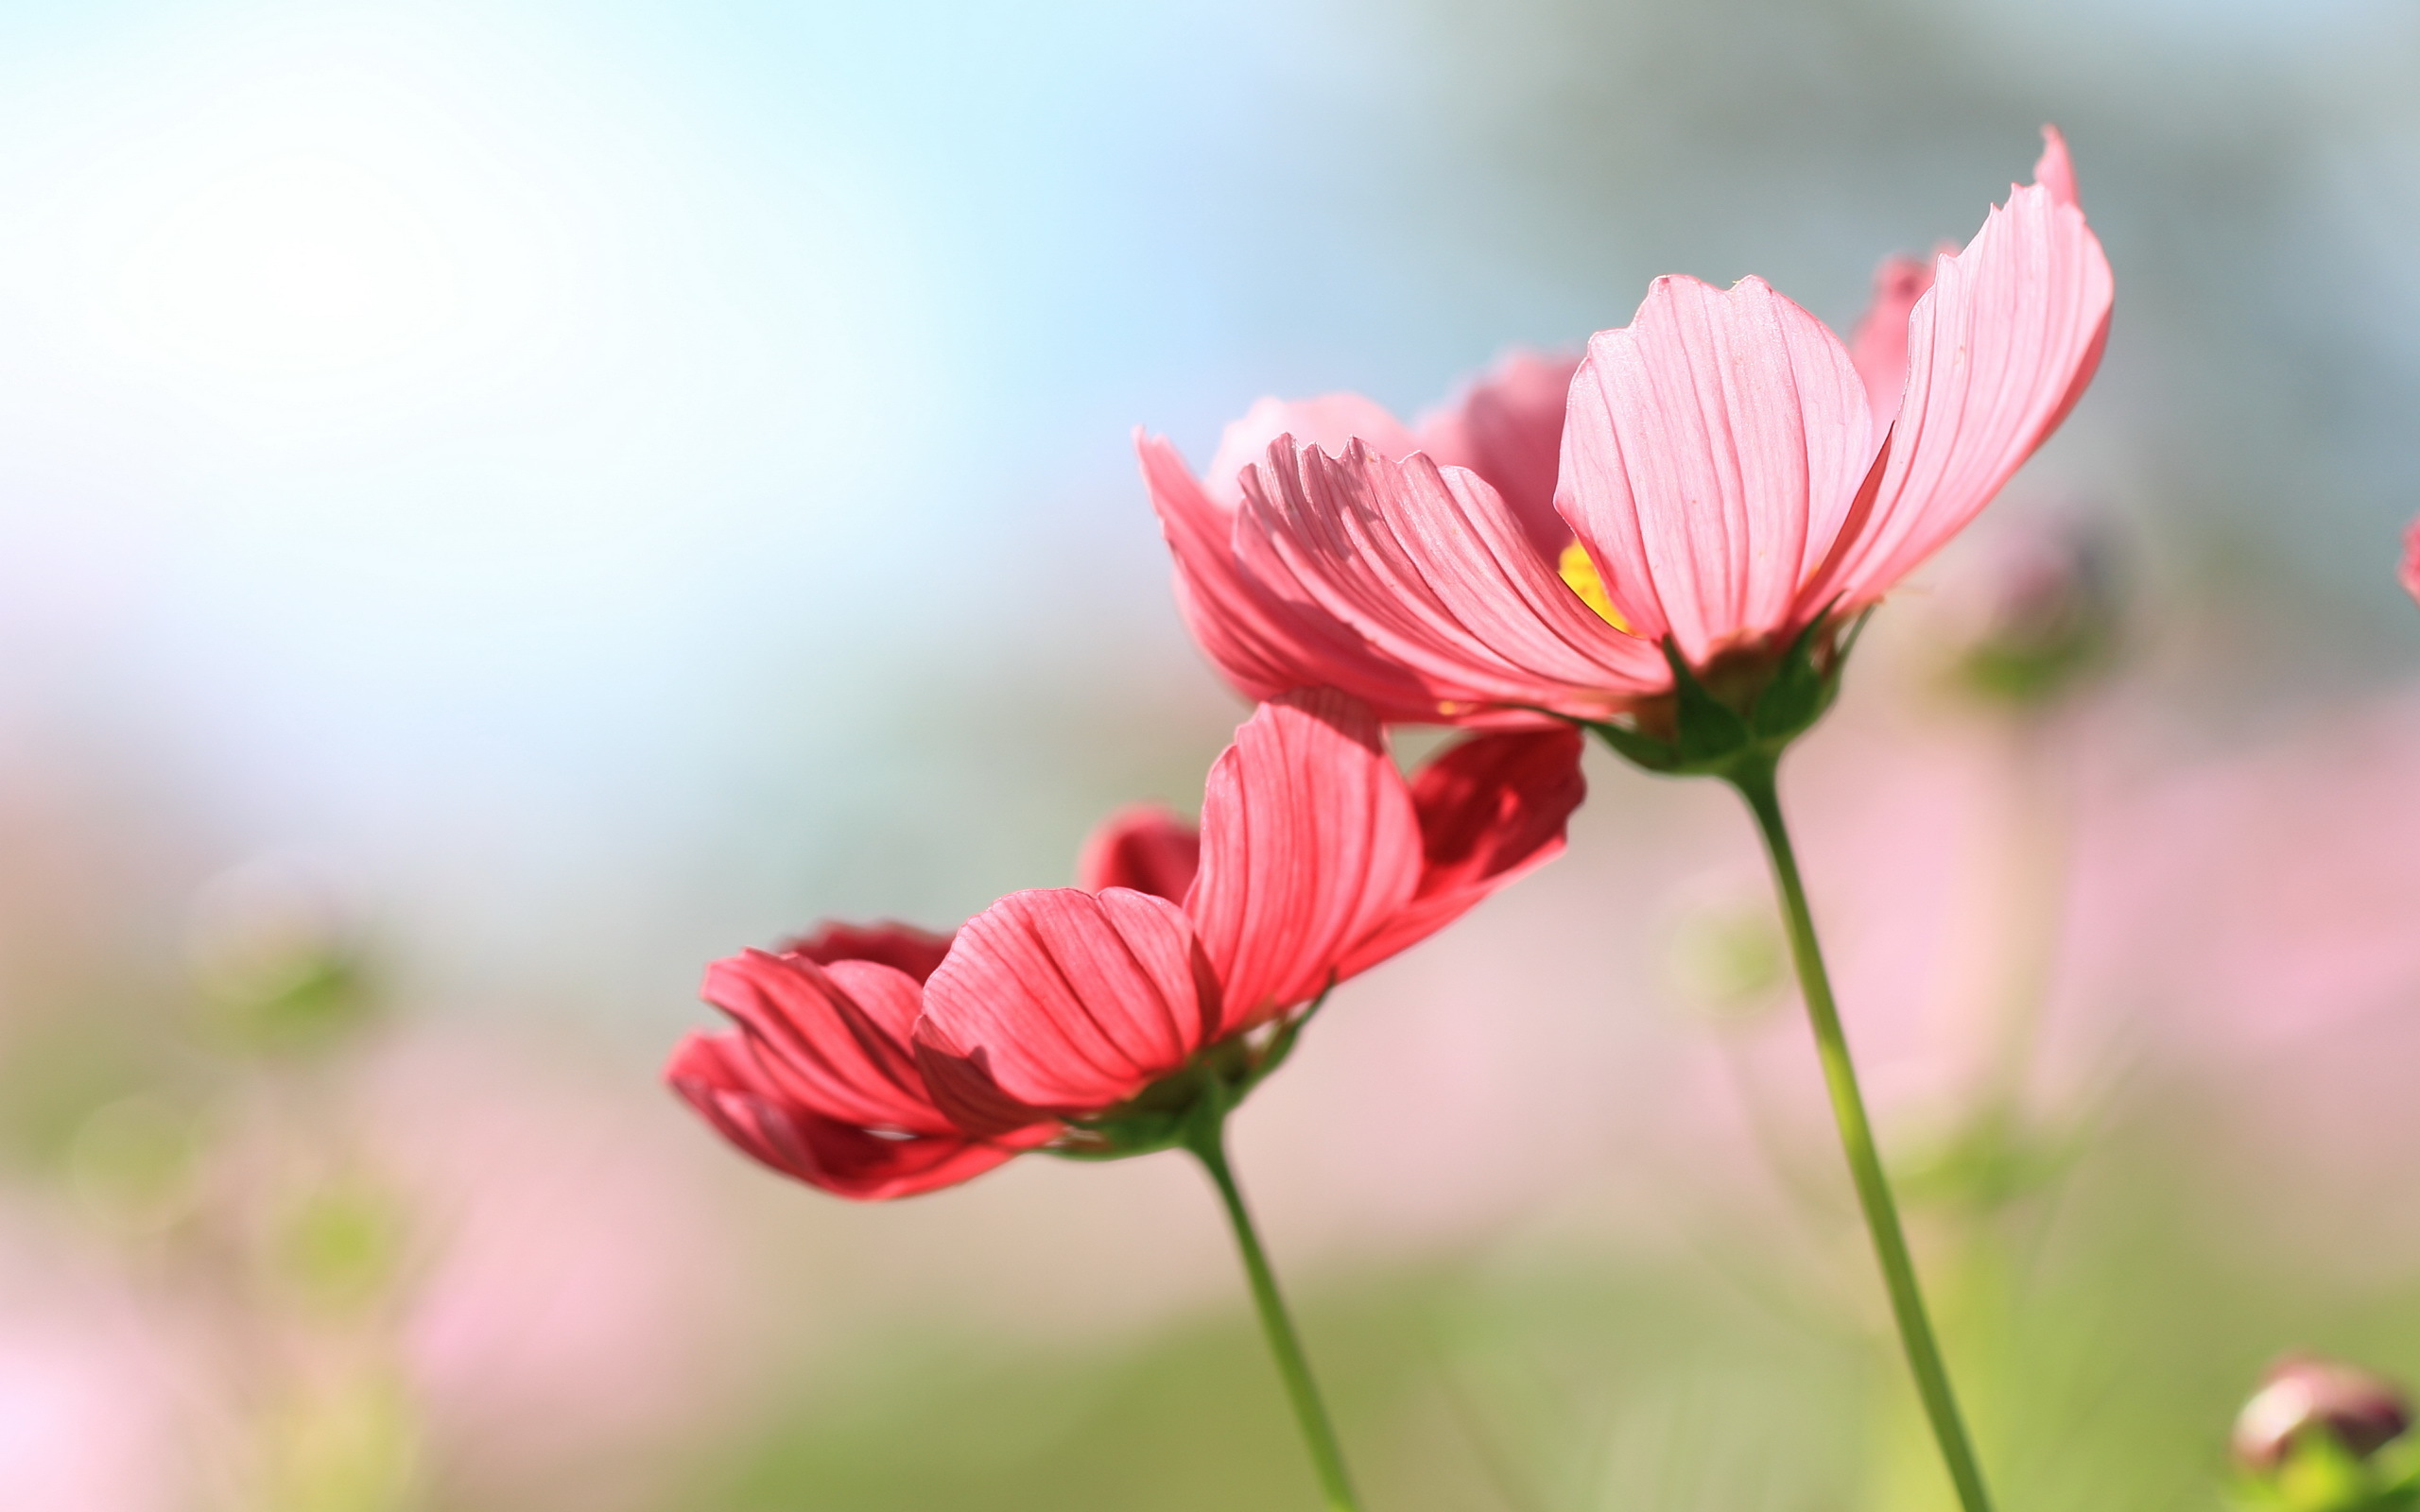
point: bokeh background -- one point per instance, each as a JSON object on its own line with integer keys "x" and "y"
{"x": 502, "y": 503}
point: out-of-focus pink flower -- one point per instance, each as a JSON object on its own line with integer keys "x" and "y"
{"x": 1315, "y": 860}
{"x": 92, "y": 1393}
{"x": 1721, "y": 484}
{"x": 2410, "y": 573}
{"x": 570, "y": 1314}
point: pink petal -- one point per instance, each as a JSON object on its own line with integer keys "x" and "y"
{"x": 904, "y": 947}
{"x": 1878, "y": 346}
{"x": 1997, "y": 354}
{"x": 1146, "y": 847}
{"x": 1331, "y": 422}
{"x": 1059, "y": 1003}
{"x": 2410, "y": 573}
{"x": 1713, "y": 449}
{"x": 1433, "y": 574}
{"x": 1491, "y": 810}
{"x": 1507, "y": 428}
{"x": 1263, "y": 644}
{"x": 834, "y": 1038}
{"x": 2053, "y": 171}
{"x": 1309, "y": 841}
{"x": 720, "y": 1078}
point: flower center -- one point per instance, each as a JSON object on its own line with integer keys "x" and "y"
{"x": 1577, "y": 570}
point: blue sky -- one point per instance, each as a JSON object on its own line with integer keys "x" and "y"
{"x": 542, "y": 453}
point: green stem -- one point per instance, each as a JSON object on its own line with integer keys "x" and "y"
{"x": 1755, "y": 784}
{"x": 1207, "y": 1141}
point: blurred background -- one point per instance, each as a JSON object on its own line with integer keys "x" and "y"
{"x": 503, "y": 503}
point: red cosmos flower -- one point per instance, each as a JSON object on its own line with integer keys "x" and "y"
{"x": 1730, "y": 474}
{"x": 883, "y": 1062}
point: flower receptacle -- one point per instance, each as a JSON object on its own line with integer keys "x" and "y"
{"x": 1188, "y": 1105}
{"x": 1737, "y": 714}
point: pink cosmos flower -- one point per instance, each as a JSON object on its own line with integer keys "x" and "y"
{"x": 1729, "y": 473}
{"x": 2410, "y": 573}
{"x": 881, "y": 1063}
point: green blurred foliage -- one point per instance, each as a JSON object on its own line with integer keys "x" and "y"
{"x": 2103, "y": 1320}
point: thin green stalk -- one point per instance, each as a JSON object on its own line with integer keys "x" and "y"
{"x": 1755, "y": 784}
{"x": 1207, "y": 1141}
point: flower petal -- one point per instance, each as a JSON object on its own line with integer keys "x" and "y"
{"x": 833, "y": 1039}
{"x": 1713, "y": 449}
{"x": 1060, "y": 1002}
{"x": 1997, "y": 354}
{"x": 2054, "y": 171}
{"x": 1147, "y": 847}
{"x": 1263, "y": 644}
{"x": 1435, "y": 576}
{"x": 1507, "y": 428}
{"x": 2409, "y": 572}
{"x": 1878, "y": 346}
{"x": 1309, "y": 841}
{"x": 719, "y": 1075}
{"x": 1331, "y": 421}
{"x": 903, "y": 947}
{"x": 1491, "y": 810}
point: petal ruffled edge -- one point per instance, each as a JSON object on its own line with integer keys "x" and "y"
{"x": 1333, "y": 422}
{"x": 1493, "y": 809}
{"x": 720, "y": 1078}
{"x": 1263, "y": 643}
{"x": 1999, "y": 349}
{"x": 902, "y": 947}
{"x": 1309, "y": 841}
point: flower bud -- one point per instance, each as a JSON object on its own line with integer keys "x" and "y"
{"x": 2304, "y": 1395}
{"x": 2045, "y": 615}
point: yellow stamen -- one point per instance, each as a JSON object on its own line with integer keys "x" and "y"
{"x": 1577, "y": 570}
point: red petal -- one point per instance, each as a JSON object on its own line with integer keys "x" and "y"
{"x": 834, "y": 1038}
{"x": 1997, "y": 354}
{"x": 1148, "y": 848}
{"x": 1713, "y": 449}
{"x": 1060, "y": 1003}
{"x": 902, "y": 947}
{"x": 719, "y": 1075}
{"x": 1309, "y": 841}
{"x": 1434, "y": 574}
{"x": 1492, "y": 809}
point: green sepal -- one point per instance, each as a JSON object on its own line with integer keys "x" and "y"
{"x": 1799, "y": 692}
{"x": 1743, "y": 720}
{"x": 2320, "y": 1474}
{"x": 1169, "y": 1114}
{"x": 1709, "y": 731}
{"x": 1644, "y": 750}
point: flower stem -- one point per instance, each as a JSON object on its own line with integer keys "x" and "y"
{"x": 1754, "y": 780}
{"x": 1207, "y": 1140}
